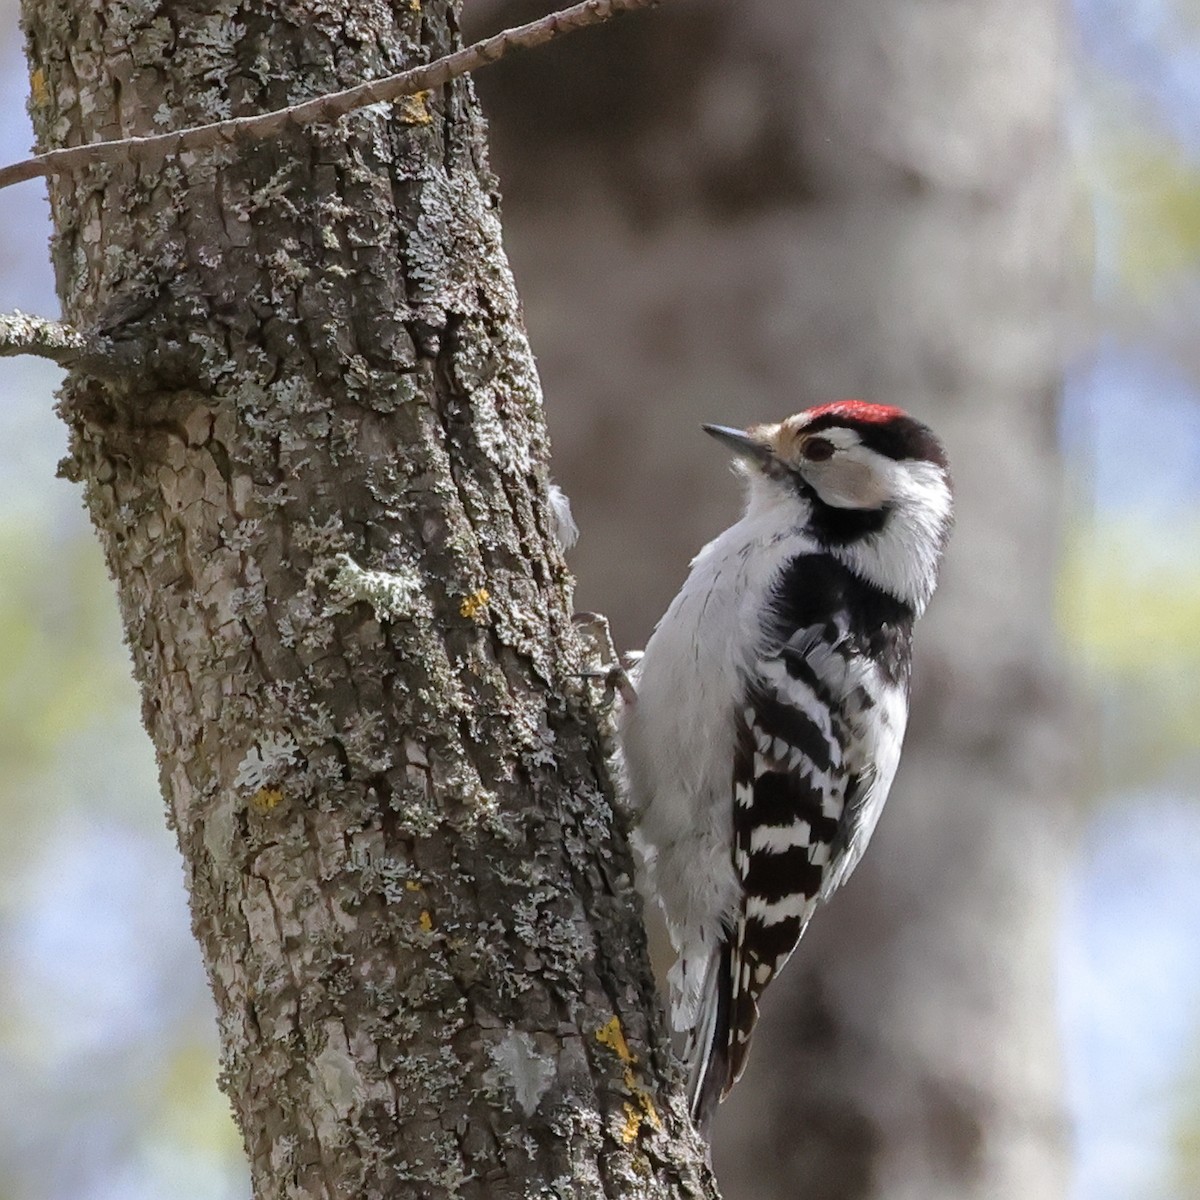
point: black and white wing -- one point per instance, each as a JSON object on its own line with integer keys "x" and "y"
{"x": 818, "y": 739}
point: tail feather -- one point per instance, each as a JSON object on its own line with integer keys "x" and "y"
{"x": 707, "y": 1050}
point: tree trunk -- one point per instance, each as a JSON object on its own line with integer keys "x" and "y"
{"x": 317, "y": 465}
{"x": 758, "y": 207}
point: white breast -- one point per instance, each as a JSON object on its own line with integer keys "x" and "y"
{"x": 678, "y": 737}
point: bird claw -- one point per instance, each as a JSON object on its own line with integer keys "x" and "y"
{"x": 617, "y": 682}
{"x": 612, "y": 672}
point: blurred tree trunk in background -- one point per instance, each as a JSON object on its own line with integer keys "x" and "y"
{"x": 730, "y": 212}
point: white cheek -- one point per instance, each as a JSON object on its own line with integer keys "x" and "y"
{"x": 844, "y": 483}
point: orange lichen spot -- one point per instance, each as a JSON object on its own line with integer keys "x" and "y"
{"x": 649, "y": 1112}
{"x": 37, "y": 87}
{"x": 266, "y": 798}
{"x": 474, "y": 605}
{"x": 414, "y": 109}
{"x": 633, "y": 1123}
{"x": 612, "y": 1036}
{"x": 425, "y": 921}
{"x": 642, "y": 1111}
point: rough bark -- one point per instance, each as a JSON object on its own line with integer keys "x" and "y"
{"x": 317, "y": 465}
{"x": 756, "y": 207}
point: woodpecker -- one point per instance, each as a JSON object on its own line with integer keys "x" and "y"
{"x": 770, "y": 706}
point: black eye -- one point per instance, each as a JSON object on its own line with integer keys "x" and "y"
{"x": 817, "y": 449}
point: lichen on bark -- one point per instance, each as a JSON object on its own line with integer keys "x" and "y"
{"x": 321, "y": 489}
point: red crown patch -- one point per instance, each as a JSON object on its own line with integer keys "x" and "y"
{"x": 858, "y": 410}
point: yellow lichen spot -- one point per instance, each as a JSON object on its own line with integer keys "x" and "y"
{"x": 37, "y": 87}
{"x": 266, "y": 798}
{"x": 613, "y": 1037}
{"x": 473, "y": 606}
{"x": 633, "y": 1122}
{"x": 414, "y": 109}
{"x": 411, "y": 885}
{"x": 414, "y": 5}
{"x": 648, "y": 1109}
{"x": 425, "y": 921}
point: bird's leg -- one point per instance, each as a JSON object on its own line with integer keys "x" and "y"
{"x": 610, "y": 670}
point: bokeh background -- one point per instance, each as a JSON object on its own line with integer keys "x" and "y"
{"x": 107, "y": 1043}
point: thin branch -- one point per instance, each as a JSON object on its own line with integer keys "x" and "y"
{"x": 22, "y": 334}
{"x": 327, "y": 108}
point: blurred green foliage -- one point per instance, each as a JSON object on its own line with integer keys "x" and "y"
{"x": 1185, "y": 1180}
{"x": 58, "y": 668}
{"x": 1129, "y": 590}
{"x": 124, "y": 1067}
{"x": 1158, "y": 190}
{"x": 1130, "y": 614}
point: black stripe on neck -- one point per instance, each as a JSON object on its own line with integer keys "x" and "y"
{"x": 814, "y": 588}
{"x": 839, "y": 526}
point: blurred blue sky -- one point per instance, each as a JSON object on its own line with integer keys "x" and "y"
{"x": 1129, "y": 958}
{"x": 1121, "y": 391}
{"x": 1130, "y": 990}
{"x": 1152, "y": 46}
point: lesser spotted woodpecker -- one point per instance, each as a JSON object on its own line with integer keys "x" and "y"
{"x": 771, "y": 702}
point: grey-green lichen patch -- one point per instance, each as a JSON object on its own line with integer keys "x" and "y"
{"x": 496, "y": 373}
{"x": 336, "y": 1071}
{"x": 395, "y": 595}
{"x": 322, "y": 539}
{"x": 382, "y": 873}
{"x": 385, "y": 393}
{"x": 275, "y": 191}
{"x": 591, "y": 835}
{"x": 20, "y": 332}
{"x": 439, "y": 1172}
{"x": 559, "y": 943}
{"x": 288, "y": 270}
{"x": 266, "y": 761}
{"x": 368, "y": 740}
{"x": 447, "y": 246}
{"x": 305, "y": 622}
{"x": 521, "y": 624}
{"x": 126, "y": 20}
{"x": 525, "y": 1066}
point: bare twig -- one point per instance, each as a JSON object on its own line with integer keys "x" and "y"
{"x": 327, "y": 108}
{"x": 22, "y": 334}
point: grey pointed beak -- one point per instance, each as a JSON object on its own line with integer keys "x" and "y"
{"x": 740, "y": 442}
